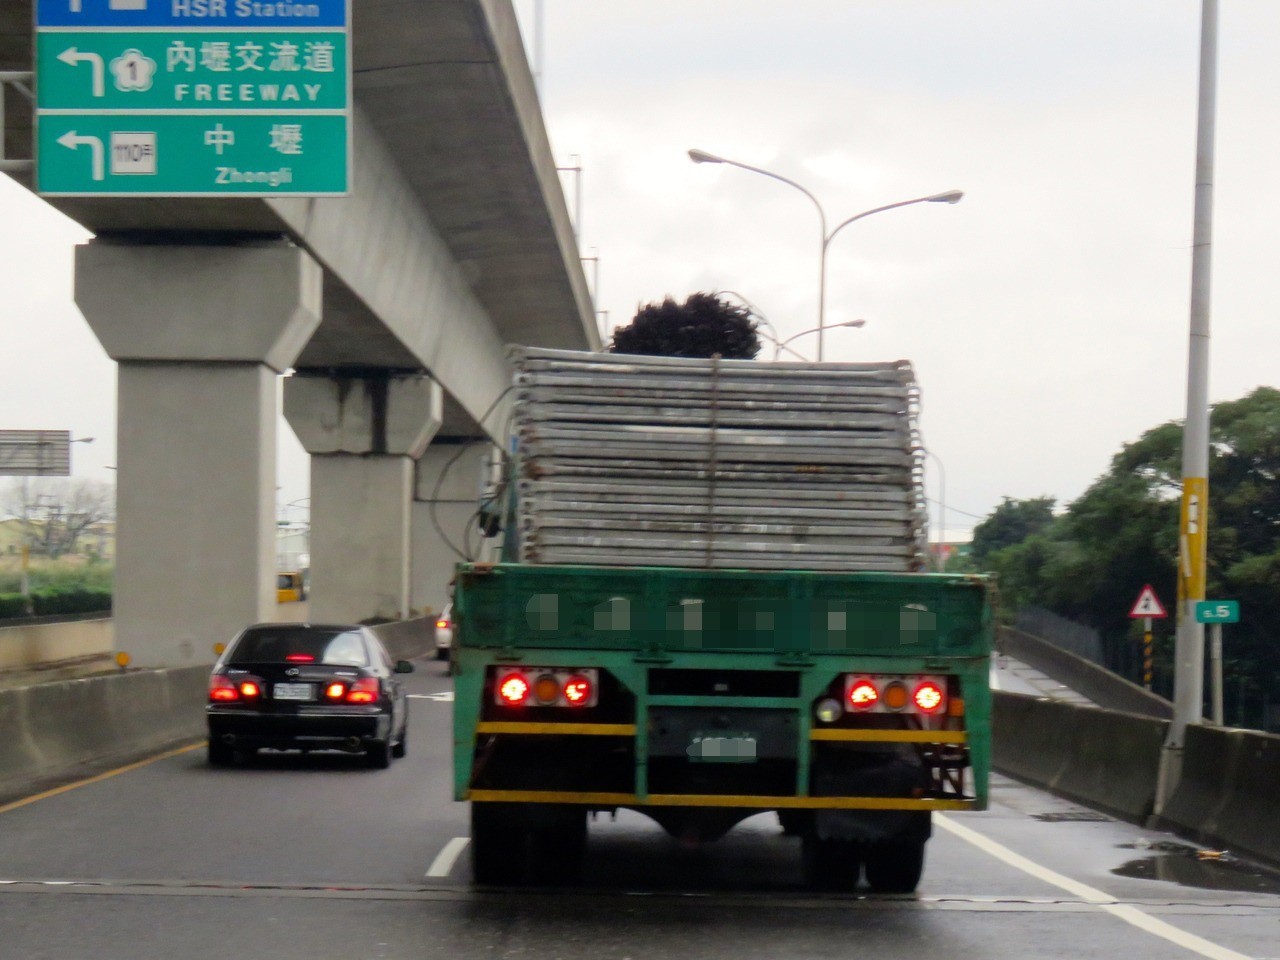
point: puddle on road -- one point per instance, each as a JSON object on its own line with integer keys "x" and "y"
{"x": 1195, "y": 867}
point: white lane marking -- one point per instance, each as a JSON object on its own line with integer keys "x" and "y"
{"x": 446, "y": 858}
{"x": 445, "y": 697}
{"x": 1103, "y": 901}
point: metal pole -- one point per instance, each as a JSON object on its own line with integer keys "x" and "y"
{"x": 1215, "y": 658}
{"x": 1189, "y": 657}
{"x": 822, "y": 281}
{"x": 1188, "y": 681}
{"x": 1146, "y": 652}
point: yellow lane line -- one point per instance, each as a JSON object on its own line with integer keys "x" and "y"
{"x": 99, "y": 778}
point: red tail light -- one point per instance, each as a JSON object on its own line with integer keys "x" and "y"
{"x": 442, "y": 624}
{"x": 250, "y": 689}
{"x": 929, "y": 697}
{"x": 513, "y": 689}
{"x": 222, "y": 690}
{"x": 335, "y": 691}
{"x": 863, "y": 695}
{"x": 364, "y": 690}
{"x": 577, "y": 690}
{"x": 300, "y": 658}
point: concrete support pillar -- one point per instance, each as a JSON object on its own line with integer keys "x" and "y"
{"x": 200, "y": 333}
{"x": 451, "y": 478}
{"x": 363, "y": 433}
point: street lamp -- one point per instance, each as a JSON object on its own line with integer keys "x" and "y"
{"x": 950, "y": 196}
{"x": 818, "y": 330}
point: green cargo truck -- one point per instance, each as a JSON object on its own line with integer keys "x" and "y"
{"x": 785, "y": 658}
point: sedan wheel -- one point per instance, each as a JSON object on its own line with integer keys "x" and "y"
{"x": 378, "y": 754}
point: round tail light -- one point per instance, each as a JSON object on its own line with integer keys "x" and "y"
{"x": 929, "y": 697}
{"x": 863, "y": 695}
{"x": 577, "y": 691}
{"x": 513, "y": 689}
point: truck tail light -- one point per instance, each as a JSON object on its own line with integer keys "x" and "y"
{"x": 578, "y": 690}
{"x": 929, "y": 697}
{"x": 513, "y": 690}
{"x": 887, "y": 693}
{"x": 546, "y": 687}
{"x": 862, "y": 695}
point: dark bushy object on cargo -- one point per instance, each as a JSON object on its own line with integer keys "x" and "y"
{"x": 12, "y": 605}
{"x": 702, "y": 326}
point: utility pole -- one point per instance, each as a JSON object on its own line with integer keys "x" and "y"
{"x": 1188, "y": 697}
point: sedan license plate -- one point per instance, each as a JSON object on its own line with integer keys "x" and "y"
{"x": 722, "y": 748}
{"x": 293, "y": 691}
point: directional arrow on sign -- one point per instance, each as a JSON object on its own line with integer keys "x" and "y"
{"x": 72, "y": 141}
{"x": 71, "y": 56}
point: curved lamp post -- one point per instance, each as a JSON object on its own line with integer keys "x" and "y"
{"x": 950, "y": 196}
{"x": 780, "y": 346}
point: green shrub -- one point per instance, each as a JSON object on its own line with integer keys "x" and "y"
{"x": 12, "y": 605}
{"x": 70, "y": 600}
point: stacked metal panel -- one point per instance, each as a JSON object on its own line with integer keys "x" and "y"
{"x": 661, "y": 461}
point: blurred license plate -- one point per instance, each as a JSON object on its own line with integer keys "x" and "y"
{"x": 294, "y": 691}
{"x": 722, "y": 748}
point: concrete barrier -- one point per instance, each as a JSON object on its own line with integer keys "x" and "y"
{"x": 408, "y": 639}
{"x": 1103, "y": 758}
{"x": 53, "y": 728}
{"x": 1229, "y": 791}
{"x": 43, "y": 643}
{"x": 1106, "y": 689}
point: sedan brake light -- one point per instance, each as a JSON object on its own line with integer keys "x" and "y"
{"x": 364, "y": 690}
{"x": 222, "y": 690}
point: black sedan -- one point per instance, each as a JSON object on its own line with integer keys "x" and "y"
{"x": 308, "y": 687}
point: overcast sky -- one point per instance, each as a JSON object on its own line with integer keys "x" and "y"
{"x": 1046, "y": 314}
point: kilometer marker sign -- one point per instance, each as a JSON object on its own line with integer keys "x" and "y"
{"x": 193, "y": 98}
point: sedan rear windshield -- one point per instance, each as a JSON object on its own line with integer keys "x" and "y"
{"x": 335, "y": 647}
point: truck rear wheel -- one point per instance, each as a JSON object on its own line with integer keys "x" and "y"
{"x": 829, "y": 863}
{"x": 497, "y": 844}
{"x": 895, "y": 866}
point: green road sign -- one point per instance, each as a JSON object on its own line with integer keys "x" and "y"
{"x": 1217, "y": 611}
{"x": 192, "y": 70}
{"x": 153, "y": 99}
{"x": 192, "y": 155}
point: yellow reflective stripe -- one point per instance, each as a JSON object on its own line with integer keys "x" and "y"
{"x": 892, "y": 736}
{"x": 715, "y": 800}
{"x": 579, "y": 729}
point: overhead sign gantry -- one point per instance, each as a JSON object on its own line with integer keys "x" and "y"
{"x": 193, "y": 98}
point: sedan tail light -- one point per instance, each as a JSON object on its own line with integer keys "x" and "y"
{"x": 222, "y": 690}
{"x": 364, "y": 690}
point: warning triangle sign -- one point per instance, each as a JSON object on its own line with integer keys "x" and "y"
{"x": 1147, "y": 605}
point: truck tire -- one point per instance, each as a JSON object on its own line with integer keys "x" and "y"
{"x": 830, "y": 864}
{"x": 557, "y": 849}
{"x": 498, "y": 844}
{"x": 894, "y": 866}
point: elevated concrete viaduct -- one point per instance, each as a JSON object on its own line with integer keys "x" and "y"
{"x": 390, "y": 308}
